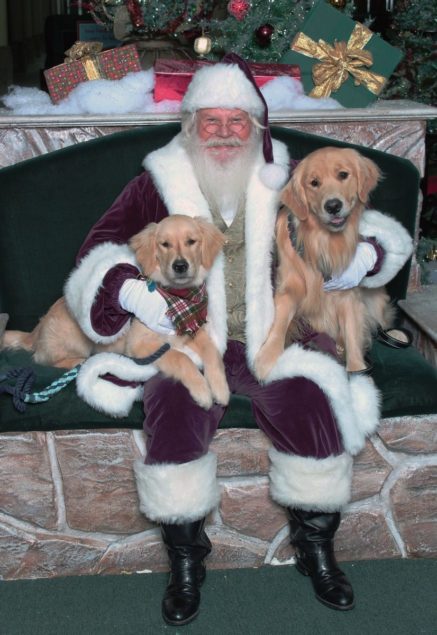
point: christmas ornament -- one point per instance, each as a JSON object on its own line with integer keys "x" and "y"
{"x": 264, "y": 34}
{"x": 238, "y": 9}
{"x": 338, "y": 4}
{"x": 202, "y": 45}
{"x": 135, "y": 13}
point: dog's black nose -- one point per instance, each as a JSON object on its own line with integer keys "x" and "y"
{"x": 333, "y": 205}
{"x": 180, "y": 266}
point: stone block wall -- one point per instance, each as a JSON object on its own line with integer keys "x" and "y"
{"x": 68, "y": 502}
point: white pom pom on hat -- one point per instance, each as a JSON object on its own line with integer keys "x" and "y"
{"x": 230, "y": 84}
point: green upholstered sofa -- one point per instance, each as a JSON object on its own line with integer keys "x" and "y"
{"x": 68, "y": 502}
{"x": 48, "y": 204}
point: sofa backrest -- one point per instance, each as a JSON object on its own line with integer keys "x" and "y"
{"x": 49, "y": 203}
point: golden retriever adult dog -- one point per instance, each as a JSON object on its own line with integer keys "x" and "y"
{"x": 326, "y": 195}
{"x": 177, "y": 252}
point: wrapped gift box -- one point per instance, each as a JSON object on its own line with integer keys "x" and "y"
{"x": 340, "y": 33}
{"x": 110, "y": 64}
{"x": 173, "y": 76}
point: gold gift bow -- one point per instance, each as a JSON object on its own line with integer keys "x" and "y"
{"x": 86, "y": 53}
{"x": 337, "y": 61}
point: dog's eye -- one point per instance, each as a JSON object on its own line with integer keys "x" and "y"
{"x": 315, "y": 183}
{"x": 165, "y": 244}
{"x": 343, "y": 175}
{"x": 191, "y": 241}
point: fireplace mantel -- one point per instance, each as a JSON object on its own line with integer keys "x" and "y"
{"x": 395, "y": 126}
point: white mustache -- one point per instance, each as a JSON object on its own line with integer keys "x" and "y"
{"x": 213, "y": 143}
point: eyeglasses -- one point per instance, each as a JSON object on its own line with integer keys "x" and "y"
{"x": 237, "y": 124}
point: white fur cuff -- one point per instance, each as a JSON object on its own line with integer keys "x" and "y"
{"x": 308, "y": 483}
{"x": 366, "y": 400}
{"x": 395, "y": 240}
{"x": 106, "y": 396}
{"x": 178, "y": 493}
{"x": 85, "y": 281}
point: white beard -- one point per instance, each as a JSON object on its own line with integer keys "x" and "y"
{"x": 224, "y": 184}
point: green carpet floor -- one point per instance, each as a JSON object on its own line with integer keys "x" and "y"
{"x": 394, "y": 597}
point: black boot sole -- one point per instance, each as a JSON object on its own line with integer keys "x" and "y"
{"x": 336, "y": 607}
{"x": 303, "y": 571}
{"x": 180, "y": 622}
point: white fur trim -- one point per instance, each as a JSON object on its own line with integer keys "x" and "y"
{"x": 84, "y": 282}
{"x": 178, "y": 493}
{"x": 366, "y": 400}
{"x": 222, "y": 86}
{"x": 261, "y": 210}
{"x": 217, "y": 313}
{"x": 394, "y": 238}
{"x": 274, "y": 176}
{"x": 350, "y": 405}
{"x": 175, "y": 180}
{"x": 105, "y": 396}
{"x": 312, "y": 484}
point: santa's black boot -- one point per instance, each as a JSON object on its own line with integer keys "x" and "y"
{"x": 187, "y": 546}
{"x": 312, "y": 535}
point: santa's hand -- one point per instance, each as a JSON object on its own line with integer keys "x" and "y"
{"x": 146, "y": 304}
{"x": 363, "y": 261}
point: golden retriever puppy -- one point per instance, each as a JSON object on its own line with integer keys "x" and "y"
{"x": 326, "y": 195}
{"x": 176, "y": 253}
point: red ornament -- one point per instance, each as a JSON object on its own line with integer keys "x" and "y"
{"x": 264, "y": 34}
{"x": 135, "y": 13}
{"x": 238, "y": 8}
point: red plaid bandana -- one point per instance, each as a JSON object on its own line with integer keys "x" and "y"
{"x": 187, "y": 308}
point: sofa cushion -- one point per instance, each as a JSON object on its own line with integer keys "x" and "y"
{"x": 407, "y": 382}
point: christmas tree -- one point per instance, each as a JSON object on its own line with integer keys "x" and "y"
{"x": 258, "y": 30}
{"x": 261, "y": 30}
{"x": 146, "y": 19}
{"x": 414, "y": 30}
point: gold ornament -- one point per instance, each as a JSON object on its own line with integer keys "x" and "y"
{"x": 338, "y": 4}
{"x": 202, "y": 45}
{"x": 340, "y": 60}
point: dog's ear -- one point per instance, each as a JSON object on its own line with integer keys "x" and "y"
{"x": 294, "y": 197}
{"x": 368, "y": 176}
{"x": 144, "y": 246}
{"x": 212, "y": 241}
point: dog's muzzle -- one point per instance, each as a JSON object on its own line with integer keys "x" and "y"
{"x": 334, "y": 208}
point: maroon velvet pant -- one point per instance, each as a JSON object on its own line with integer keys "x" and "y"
{"x": 293, "y": 413}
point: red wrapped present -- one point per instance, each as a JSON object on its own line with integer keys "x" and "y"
{"x": 86, "y": 61}
{"x": 173, "y": 76}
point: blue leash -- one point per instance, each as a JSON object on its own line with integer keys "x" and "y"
{"x": 25, "y": 377}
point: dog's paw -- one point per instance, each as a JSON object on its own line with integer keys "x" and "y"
{"x": 221, "y": 393}
{"x": 202, "y": 395}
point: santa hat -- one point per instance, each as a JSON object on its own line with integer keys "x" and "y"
{"x": 230, "y": 84}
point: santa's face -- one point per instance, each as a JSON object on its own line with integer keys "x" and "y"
{"x": 223, "y": 132}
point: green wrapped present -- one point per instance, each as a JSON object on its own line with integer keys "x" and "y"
{"x": 341, "y": 58}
